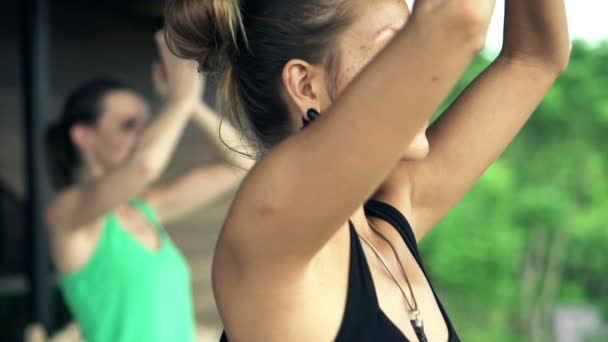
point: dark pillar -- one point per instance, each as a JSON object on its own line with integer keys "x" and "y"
{"x": 34, "y": 16}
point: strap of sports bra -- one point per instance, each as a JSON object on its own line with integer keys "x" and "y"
{"x": 394, "y": 217}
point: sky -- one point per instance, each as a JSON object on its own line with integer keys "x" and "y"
{"x": 587, "y": 19}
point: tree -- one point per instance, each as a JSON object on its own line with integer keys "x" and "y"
{"x": 532, "y": 233}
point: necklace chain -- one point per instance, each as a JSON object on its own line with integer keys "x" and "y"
{"x": 416, "y": 321}
{"x": 413, "y": 304}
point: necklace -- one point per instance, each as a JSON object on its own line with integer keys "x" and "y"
{"x": 416, "y": 321}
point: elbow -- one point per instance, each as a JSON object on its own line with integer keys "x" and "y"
{"x": 560, "y": 59}
{"x": 553, "y": 62}
{"x": 555, "y": 65}
{"x": 465, "y": 21}
{"x": 472, "y": 24}
{"x": 146, "y": 168}
{"x": 552, "y": 56}
{"x": 556, "y": 57}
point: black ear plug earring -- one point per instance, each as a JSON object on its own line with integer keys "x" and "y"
{"x": 311, "y": 115}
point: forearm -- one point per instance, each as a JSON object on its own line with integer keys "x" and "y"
{"x": 177, "y": 199}
{"x": 490, "y": 112}
{"x": 537, "y": 30}
{"x": 159, "y": 140}
{"x": 221, "y": 135}
{"x": 484, "y": 119}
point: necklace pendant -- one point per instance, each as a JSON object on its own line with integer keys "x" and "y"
{"x": 418, "y": 326}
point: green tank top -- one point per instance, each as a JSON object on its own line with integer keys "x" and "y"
{"x": 127, "y": 292}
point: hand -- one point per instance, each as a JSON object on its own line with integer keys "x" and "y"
{"x": 160, "y": 82}
{"x": 175, "y": 79}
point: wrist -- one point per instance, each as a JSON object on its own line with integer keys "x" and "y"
{"x": 181, "y": 104}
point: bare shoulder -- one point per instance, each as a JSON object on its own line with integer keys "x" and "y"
{"x": 71, "y": 249}
{"x": 267, "y": 301}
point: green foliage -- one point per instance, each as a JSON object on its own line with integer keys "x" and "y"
{"x": 552, "y": 179}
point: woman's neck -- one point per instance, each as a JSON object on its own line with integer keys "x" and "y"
{"x": 91, "y": 172}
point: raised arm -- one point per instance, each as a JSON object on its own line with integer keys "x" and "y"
{"x": 204, "y": 184}
{"x": 84, "y": 203}
{"x": 477, "y": 128}
{"x": 225, "y": 140}
{"x": 304, "y": 190}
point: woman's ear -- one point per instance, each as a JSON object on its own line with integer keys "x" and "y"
{"x": 304, "y": 84}
{"x": 81, "y": 136}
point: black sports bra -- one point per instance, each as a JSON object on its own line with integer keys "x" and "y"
{"x": 364, "y": 320}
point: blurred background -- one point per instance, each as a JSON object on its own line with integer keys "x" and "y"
{"x": 522, "y": 258}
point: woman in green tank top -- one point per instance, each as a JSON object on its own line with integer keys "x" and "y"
{"x": 121, "y": 275}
